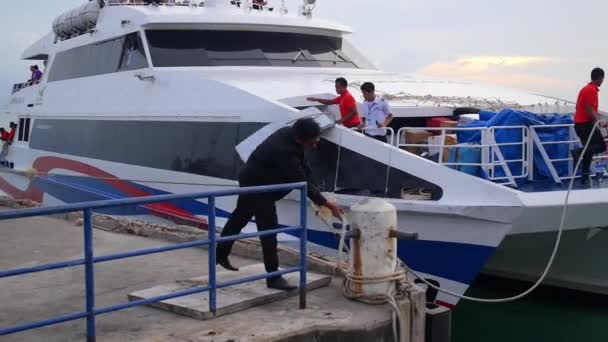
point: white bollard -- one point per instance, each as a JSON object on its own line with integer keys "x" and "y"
{"x": 374, "y": 253}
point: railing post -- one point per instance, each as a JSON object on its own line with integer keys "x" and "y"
{"x": 303, "y": 241}
{"x": 487, "y": 152}
{"x": 441, "y": 146}
{"x": 89, "y": 275}
{"x": 531, "y": 131}
{"x": 212, "y": 262}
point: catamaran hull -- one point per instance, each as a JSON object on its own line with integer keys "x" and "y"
{"x": 579, "y": 265}
{"x": 452, "y": 248}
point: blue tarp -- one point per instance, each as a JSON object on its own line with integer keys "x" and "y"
{"x": 511, "y": 117}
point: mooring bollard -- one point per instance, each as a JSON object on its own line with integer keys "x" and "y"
{"x": 374, "y": 252}
{"x": 375, "y": 275}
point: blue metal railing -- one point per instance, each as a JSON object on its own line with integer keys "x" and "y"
{"x": 90, "y": 260}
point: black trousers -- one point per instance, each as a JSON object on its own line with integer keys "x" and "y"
{"x": 382, "y": 138}
{"x": 263, "y": 208}
{"x": 596, "y": 146}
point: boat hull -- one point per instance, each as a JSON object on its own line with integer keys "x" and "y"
{"x": 578, "y": 265}
{"x": 452, "y": 248}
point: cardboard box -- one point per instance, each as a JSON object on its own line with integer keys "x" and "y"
{"x": 450, "y": 124}
{"x": 436, "y": 123}
{"x": 416, "y": 137}
{"x": 435, "y": 148}
{"x": 449, "y": 141}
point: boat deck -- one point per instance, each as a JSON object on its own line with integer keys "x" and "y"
{"x": 550, "y": 185}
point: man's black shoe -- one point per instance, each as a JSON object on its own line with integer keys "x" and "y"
{"x": 279, "y": 284}
{"x": 225, "y": 263}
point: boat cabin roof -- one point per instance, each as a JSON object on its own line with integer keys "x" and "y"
{"x": 118, "y": 19}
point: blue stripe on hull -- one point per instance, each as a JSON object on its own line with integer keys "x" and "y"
{"x": 73, "y": 192}
{"x": 81, "y": 189}
{"x": 454, "y": 261}
{"x": 450, "y": 260}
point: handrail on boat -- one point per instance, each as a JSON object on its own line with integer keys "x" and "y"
{"x": 388, "y": 131}
{"x": 184, "y": 3}
{"x": 17, "y": 87}
{"x": 492, "y": 158}
{"x": 531, "y": 143}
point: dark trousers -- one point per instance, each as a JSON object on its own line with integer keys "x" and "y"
{"x": 265, "y": 212}
{"x": 596, "y": 146}
{"x": 382, "y": 138}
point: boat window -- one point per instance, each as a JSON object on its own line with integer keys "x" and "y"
{"x": 133, "y": 55}
{"x": 98, "y": 59}
{"x": 203, "y": 148}
{"x": 24, "y": 129}
{"x": 21, "y": 125}
{"x": 344, "y": 171}
{"x": 183, "y": 48}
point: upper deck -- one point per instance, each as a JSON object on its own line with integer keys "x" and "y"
{"x": 235, "y": 46}
{"x": 92, "y": 23}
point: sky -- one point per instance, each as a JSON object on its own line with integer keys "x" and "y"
{"x": 547, "y": 47}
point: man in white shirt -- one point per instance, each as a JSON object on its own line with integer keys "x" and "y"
{"x": 377, "y": 113}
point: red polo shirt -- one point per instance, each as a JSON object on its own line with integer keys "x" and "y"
{"x": 4, "y": 136}
{"x": 587, "y": 96}
{"x": 11, "y": 135}
{"x": 347, "y": 103}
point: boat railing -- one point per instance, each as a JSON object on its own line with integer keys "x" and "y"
{"x": 160, "y": 3}
{"x": 444, "y": 148}
{"x": 17, "y": 87}
{"x": 186, "y": 3}
{"x": 603, "y": 158}
{"x": 388, "y": 132}
{"x": 541, "y": 146}
{"x": 571, "y": 143}
{"x": 536, "y": 147}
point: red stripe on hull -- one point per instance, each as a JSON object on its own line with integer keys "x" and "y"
{"x": 46, "y": 164}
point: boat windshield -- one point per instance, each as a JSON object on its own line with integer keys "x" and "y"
{"x": 343, "y": 171}
{"x": 184, "y": 48}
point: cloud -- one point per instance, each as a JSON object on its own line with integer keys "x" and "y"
{"x": 525, "y": 72}
{"x": 468, "y": 66}
{"x": 20, "y": 40}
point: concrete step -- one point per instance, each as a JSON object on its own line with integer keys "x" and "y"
{"x": 229, "y": 300}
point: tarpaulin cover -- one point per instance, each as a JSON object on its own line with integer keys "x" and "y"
{"x": 510, "y": 117}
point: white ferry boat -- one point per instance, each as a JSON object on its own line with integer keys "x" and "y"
{"x": 141, "y": 99}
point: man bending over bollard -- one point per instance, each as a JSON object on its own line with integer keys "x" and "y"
{"x": 278, "y": 160}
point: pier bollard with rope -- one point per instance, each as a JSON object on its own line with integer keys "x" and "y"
{"x": 373, "y": 274}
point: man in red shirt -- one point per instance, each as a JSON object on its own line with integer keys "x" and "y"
{"x": 348, "y": 105}
{"x": 584, "y": 120}
{"x": 3, "y": 134}
{"x": 11, "y": 135}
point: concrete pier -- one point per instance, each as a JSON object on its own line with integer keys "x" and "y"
{"x": 28, "y": 242}
{"x": 229, "y": 300}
